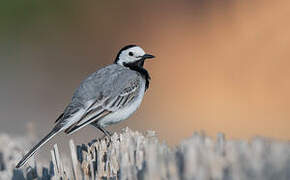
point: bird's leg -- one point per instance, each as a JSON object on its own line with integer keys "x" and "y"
{"x": 106, "y": 132}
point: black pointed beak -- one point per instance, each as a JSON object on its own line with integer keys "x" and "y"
{"x": 147, "y": 56}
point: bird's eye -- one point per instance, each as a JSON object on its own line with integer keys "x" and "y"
{"x": 131, "y": 54}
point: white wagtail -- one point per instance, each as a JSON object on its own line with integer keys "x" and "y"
{"x": 108, "y": 96}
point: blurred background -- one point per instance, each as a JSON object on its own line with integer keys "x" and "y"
{"x": 221, "y": 66}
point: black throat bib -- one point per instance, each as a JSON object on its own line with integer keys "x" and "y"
{"x": 138, "y": 66}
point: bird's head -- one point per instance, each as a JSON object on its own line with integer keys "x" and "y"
{"x": 132, "y": 55}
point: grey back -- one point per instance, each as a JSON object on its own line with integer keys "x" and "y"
{"x": 109, "y": 81}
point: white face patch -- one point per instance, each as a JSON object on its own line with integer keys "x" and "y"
{"x": 130, "y": 55}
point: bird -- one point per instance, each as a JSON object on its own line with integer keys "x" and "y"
{"x": 107, "y": 96}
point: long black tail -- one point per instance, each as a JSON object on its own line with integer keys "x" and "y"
{"x": 52, "y": 133}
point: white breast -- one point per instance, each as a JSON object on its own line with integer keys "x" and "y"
{"x": 125, "y": 112}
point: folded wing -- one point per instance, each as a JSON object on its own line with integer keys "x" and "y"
{"x": 101, "y": 107}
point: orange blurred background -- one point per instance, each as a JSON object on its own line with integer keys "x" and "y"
{"x": 221, "y": 66}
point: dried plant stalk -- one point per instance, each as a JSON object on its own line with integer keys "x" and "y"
{"x": 132, "y": 155}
